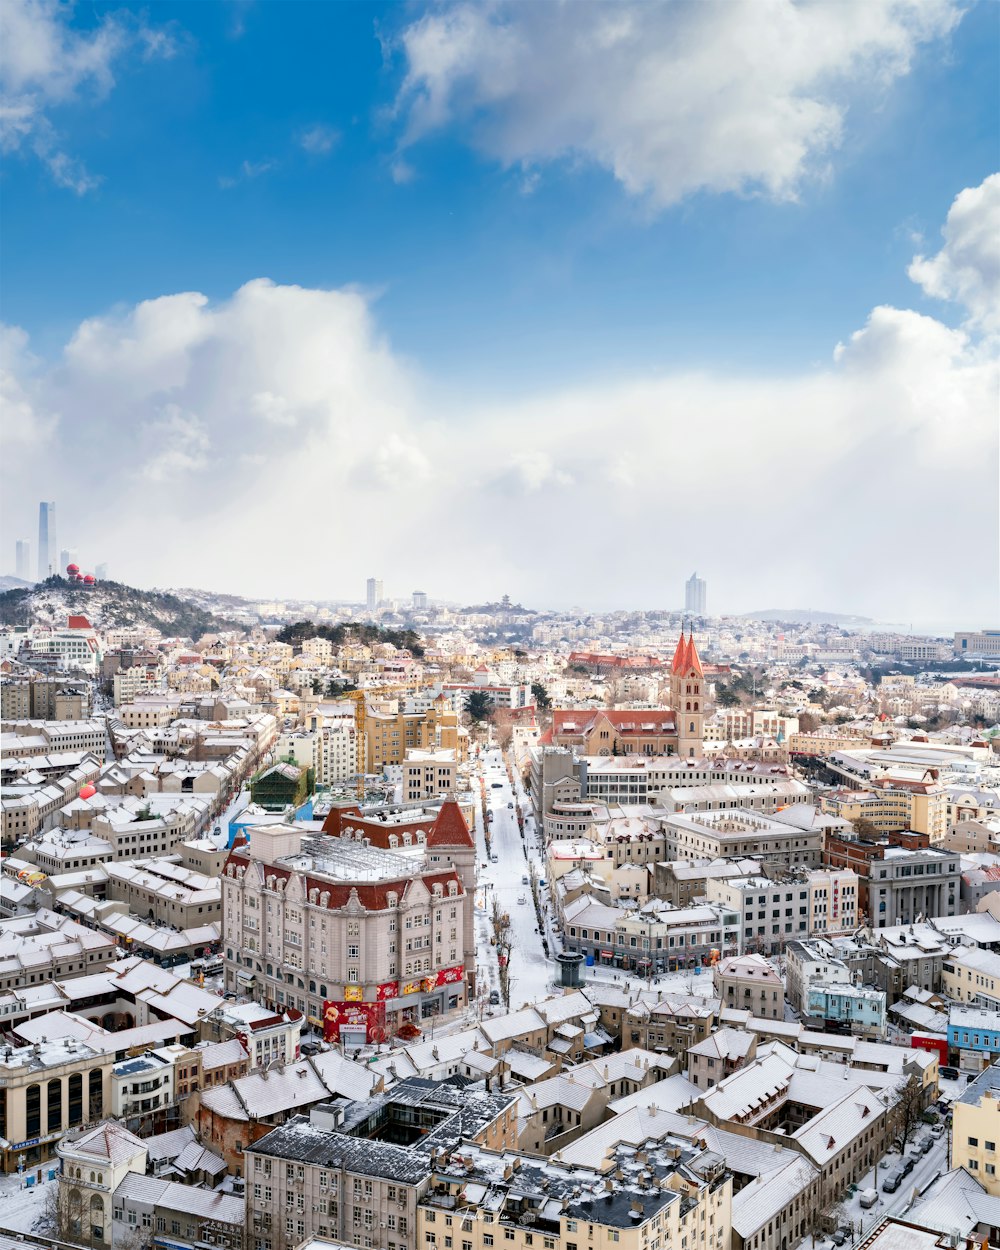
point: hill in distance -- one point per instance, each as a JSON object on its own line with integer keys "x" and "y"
{"x": 111, "y": 605}
{"x": 805, "y": 616}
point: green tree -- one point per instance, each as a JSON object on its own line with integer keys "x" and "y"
{"x": 478, "y": 706}
{"x": 541, "y": 696}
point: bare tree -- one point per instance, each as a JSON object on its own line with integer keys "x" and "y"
{"x": 503, "y": 726}
{"x": 909, "y": 1108}
{"x": 500, "y": 921}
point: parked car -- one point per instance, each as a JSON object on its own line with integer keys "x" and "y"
{"x": 494, "y": 859}
{"x": 521, "y": 899}
{"x": 868, "y": 1198}
{"x": 949, "y": 1074}
{"x": 838, "y": 1236}
{"x": 524, "y": 879}
{"x": 510, "y": 804}
{"x": 908, "y": 1165}
{"x": 494, "y": 998}
{"x": 497, "y": 785}
{"x": 926, "y": 1145}
{"x": 937, "y": 1130}
{"x": 893, "y": 1181}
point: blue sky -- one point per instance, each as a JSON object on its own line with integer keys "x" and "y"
{"x": 511, "y": 245}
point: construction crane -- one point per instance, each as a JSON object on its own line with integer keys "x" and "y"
{"x": 359, "y": 698}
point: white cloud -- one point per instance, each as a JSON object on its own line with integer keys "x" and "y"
{"x": 967, "y": 268}
{"x": 23, "y": 428}
{"x": 47, "y": 63}
{"x": 672, "y": 98}
{"x": 319, "y": 140}
{"x": 293, "y": 453}
{"x": 248, "y": 171}
{"x": 179, "y": 444}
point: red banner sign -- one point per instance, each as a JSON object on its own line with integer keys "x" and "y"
{"x": 448, "y": 976}
{"x": 389, "y": 989}
{"x": 370, "y": 1016}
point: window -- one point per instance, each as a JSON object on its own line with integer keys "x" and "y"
{"x": 973, "y": 1141}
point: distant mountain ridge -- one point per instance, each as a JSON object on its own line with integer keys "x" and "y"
{"x": 805, "y": 616}
{"x": 111, "y": 605}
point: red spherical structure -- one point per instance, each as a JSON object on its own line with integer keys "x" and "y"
{"x": 72, "y": 569}
{"x": 88, "y": 791}
{"x": 90, "y": 580}
{"x": 78, "y": 578}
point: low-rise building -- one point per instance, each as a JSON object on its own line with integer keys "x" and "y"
{"x": 750, "y": 983}
{"x": 975, "y": 1129}
{"x": 857, "y": 1009}
{"x": 361, "y": 1171}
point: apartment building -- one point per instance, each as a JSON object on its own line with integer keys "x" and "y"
{"x": 750, "y": 983}
{"x": 43, "y": 737}
{"x": 30, "y": 695}
{"x": 671, "y": 1189}
{"x": 809, "y": 961}
{"x": 428, "y": 774}
{"x": 164, "y": 891}
{"x": 679, "y": 882}
{"x": 45, "y": 1089}
{"x": 45, "y": 946}
{"x": 857, "y": 1009}
{"x": 145, "y": 830}
{"x": 975, "y": 1129}
{"x": 969, "y": 975}
{"x": 390, "y": 735}
{"x": 740, "y": 833}
{"x": 357, "y": 1174}
{"x": 891, "y": 803}
{"x": 354, "y": 936}
{"x": 774, "y": 910}
{"x": 654, "y": 939}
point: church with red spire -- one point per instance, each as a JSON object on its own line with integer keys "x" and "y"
{"x": 677, "y": 730}
{"x": 688, "y": 694}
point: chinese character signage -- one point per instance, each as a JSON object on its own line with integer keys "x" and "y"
{"x": 354, "y": 993}
{"x": 388, "y": 989}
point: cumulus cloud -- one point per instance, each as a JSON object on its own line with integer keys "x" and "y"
{"x": 295, "y": 453}
{"x": 47, "y": 63}
{"x": 672, "y": 98}
{"x": 967, "y": 268}
{"x": 319, "y": 140}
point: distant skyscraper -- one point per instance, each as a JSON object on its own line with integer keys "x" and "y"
{"x": 419, "y": 600}
{"x": 101, "y": 572}
{"x": 373, "y": 596}
{"x": 67, "y": 556}
{"x": 23, "y": 562}
{"x": 47, "y": 548}
{"x": 695, "y": 595}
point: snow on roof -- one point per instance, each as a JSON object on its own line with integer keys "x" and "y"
{"x": 109, "y": 1141}
{"x": 767, "y": 1195}
{"x": 670, "y": 1094}
{"x": 207, "y": 1204}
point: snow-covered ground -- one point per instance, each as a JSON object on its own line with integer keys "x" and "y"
{"x": 931, "y": 1166}
{"x": 23, "y": 1210}
{"x": 532, "y": 975}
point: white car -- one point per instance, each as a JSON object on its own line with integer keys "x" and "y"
{"x": 521, "y": 899}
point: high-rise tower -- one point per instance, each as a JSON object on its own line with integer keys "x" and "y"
{"x": 373, "y": 593}
{"x": 695, "y": 595}
{"x": 47, "y": 549}
{"x": 22, "y": 563}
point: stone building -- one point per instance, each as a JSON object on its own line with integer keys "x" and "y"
{"x": 359, "y": 1172}
{"x": 357, "y": 938}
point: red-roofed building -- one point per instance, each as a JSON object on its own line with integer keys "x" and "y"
{"x": 344, "y": 927}
{"x": 79, "y": 622}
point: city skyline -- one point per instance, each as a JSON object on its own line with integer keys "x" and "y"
{"x": 391, "y": 287}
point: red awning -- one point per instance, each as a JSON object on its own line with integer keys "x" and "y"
{"x": 607, "y": 954}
